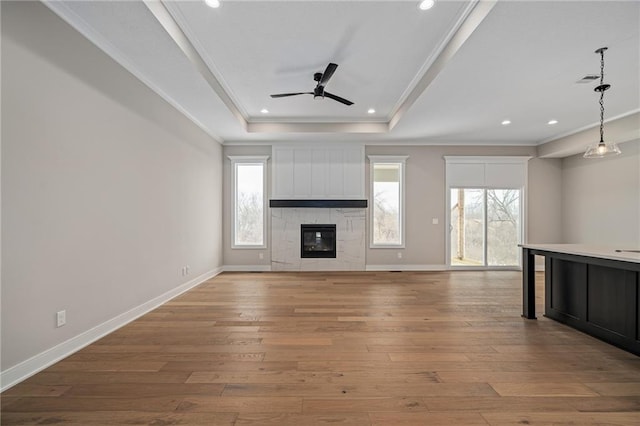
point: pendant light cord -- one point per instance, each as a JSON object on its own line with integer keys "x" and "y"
{"x": 602, "y": 88}
{"x": 602, "y": 95}
{"x": 602, "y": 149}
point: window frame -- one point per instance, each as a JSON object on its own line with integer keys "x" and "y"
{"x": 237, "y": 160}
{"x": 401, "y": 160}
{"x": 485, "y": 244}
{"x": 522, "y": 185}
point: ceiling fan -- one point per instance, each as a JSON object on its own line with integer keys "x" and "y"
{"x": 322, "y": 78}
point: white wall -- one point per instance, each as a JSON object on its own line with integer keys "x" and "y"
{"x": 601, "y": 198}
{"x": 425, "y": 200}
{"x": 544, "y": 203}
{"x": 107, "y": 191}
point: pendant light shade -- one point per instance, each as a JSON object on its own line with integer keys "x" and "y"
{"x": 602, "y": 148}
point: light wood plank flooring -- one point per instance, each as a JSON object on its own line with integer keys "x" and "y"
{"x": 410, "y": 348}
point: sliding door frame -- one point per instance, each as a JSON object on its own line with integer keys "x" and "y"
{"x": 482, "y": 179}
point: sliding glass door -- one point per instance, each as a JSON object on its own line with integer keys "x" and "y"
{"x": 503, "y": 227}
{"x": 486, "y": 227}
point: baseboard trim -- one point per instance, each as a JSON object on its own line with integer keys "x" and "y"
{"x": 406, "y": 268}
{"x": 16, "y": 374}
{"x": 246, "y": 268}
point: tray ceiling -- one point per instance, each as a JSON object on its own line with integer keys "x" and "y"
{"x": 451, "y": 74}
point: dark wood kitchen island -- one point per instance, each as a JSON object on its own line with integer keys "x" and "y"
{"x": 593, "y": 289}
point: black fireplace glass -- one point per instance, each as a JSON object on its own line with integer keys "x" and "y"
{"x": 318, "y": 241}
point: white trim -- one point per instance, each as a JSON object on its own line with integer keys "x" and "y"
{"x": 486, "y": 159}
{"x": 522, "y": 231}
{"x": 39, "y": 362}
{"x": 471, "y": 18}
{"x": 246, "y": 268}
{"x": 172, "y": 21}
{"x": 434, "y": 268}
{"x": 79, "y": 24}
{"x": 388, "y": 159}
{"x": 523, "y": 188}
{"x": 524, "y": 208}
{"x": 399, "y": 142}
{"x": 159, "y": 10}
{"x": 361, "y": 127}
{"x": 587, "y": 127}
{"x": 325, "y": 144}
{"x": 193, "y": 44}
{"x": 248, "y": 159}
{"x": 484, "y": 268}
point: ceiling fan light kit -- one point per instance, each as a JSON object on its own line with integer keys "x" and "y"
{"x": 602, "y": 148}
{"x": 322, "y": 78}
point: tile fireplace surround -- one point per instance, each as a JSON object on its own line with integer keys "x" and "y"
{"x": 350, "y": 238}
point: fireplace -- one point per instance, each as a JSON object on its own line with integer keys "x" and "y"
{"x": 318, "y": 241}
{"x": 287, "y": 245}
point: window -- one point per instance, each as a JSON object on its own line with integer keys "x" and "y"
{"x": 248, "y": 230}
{"x": 485, "y": 227}
{"x": 387, "y": 195}
{"x": 486, "y": 197}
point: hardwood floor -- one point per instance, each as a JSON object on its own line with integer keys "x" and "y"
{"x": 410, "y": 348}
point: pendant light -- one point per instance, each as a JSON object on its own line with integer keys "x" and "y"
{"x": 602, "y": 148}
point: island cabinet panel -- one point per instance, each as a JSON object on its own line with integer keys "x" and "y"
{"x": 567, "y": 292}
{"x": 611, "y": 295}
{"x": 598, "y": 297}
{"x": 592, "y": 288}
{"x": 637, "y": 334}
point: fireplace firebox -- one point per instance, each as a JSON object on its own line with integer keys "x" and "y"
{"x": 318, "y": 241}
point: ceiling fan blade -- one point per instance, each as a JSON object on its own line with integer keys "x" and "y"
{"x": 282, "y": 95}
{"x": 337, "y": 98}
{"x": 326, "y": 75}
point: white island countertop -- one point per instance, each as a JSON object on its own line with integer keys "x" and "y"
{"x": 603, "y": 252}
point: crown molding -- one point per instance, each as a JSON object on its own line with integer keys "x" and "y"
{"x": 468, "y": 22}
{"x": 169, "y": 17}
{"x": 79, "y": 24}
{"x": 295, "y": 127}
{"x": 173, "y": 29}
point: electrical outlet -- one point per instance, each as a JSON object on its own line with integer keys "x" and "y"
{"x": 399, "y": 255}
{"x": 434, "y": 221}
{"x": 61, "y": 318}
{"x": 260, "y": 256}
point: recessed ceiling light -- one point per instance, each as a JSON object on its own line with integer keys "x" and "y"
{"x": 506, "y": 122}
{"x": 212, "y": 3}
{"x": 553, "y": 122}
{"x": 264, "y": 111}
{"x": 371, "y": 111}
{"x": 426, "y": 4}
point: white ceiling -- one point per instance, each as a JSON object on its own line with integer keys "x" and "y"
{"x": 451, "y": 74}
